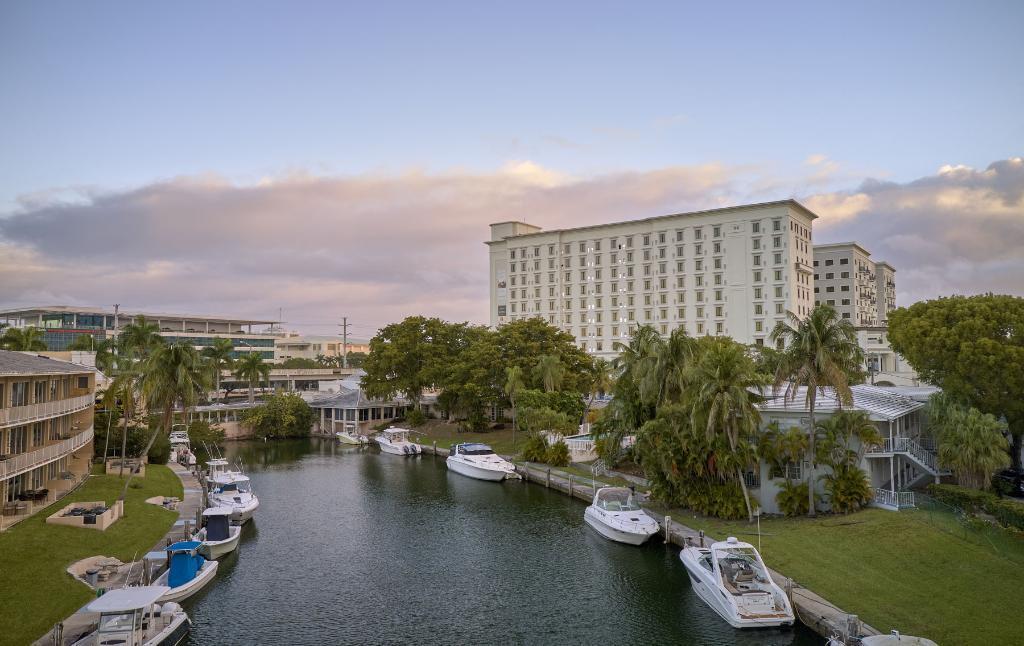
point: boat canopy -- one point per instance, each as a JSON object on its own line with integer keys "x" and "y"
{"x": 185, "y": 563}
{"x": 616, "y": 499}
{"x": 222, "y": 510}
{"x": 128, "y": 599}
{"x": 474, "y": 449}
{"x": 218, "y": 526}
{"x": 395, "y": 433}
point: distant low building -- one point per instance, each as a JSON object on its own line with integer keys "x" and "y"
{"x": 352, "y": 410}
{"x": 310, "y": 347}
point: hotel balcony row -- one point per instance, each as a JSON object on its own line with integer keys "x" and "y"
{"x": 31, "y": 413}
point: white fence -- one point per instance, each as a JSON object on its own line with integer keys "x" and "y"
{"x": 896, "y": 499}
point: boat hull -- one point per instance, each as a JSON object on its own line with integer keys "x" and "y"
{"x": 612, "y": 533}
{"x": 241, "y": 512}
{"x": 701, "y": 581}
{"x": 182, "y": 592}
{"x": 473, "y": 471}
{"x": 396, "y": 449}
{"x": 213, "y": 550}
{"x": 173, "y": 634}
{"x": 345, "y": 438}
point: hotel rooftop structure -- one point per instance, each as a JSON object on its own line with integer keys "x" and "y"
{"x": 46, "y": 431}
{"x": 62, "y": 324}
{"x": 732, "y": 271}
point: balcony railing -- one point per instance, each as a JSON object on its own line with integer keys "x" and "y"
{"x": 18, "y": 415}
{"x": 23, "y": 462}
{"x": 896, "y": 499}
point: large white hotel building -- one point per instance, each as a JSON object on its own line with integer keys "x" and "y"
{"x": 731, "y": 271}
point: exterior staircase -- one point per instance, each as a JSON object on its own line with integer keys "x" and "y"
{"x": 911, "y": 448}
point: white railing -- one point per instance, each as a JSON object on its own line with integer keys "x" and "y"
{"x": 18, "y": 415}
{"x": 23, "y": 462}
{"x": 580, "y": 445}
{"x": 909, "y": 445}
{"x": 897, "y": 499}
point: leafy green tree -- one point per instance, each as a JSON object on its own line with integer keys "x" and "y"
{"x": 218, "y": 358}
{"x": 27, "y": 339}
{"x": 558, "y": 454}
{"x": 973, "y": 348}
{"x": 723, "y": 383}
{"x": 536, "y": 420}
{"x": 548, "y": 372}
{"x": 820, "y": 351}
{"x": 303, "y": 363}
{"x": 83, "y": 343}
{"x": 251, "y": 368}
{"x": 513, "y": 384}
{"x": 971, "y": 443}
{"x": 522, "y": 343}
{"x": 355, "y": 360}
{"x": 569, "y": 403}
{"x": 281, "y": 415}
{"x": 140, "y": 338}
{"x": 202, "y": 432}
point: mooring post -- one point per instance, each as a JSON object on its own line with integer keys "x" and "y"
{"x": 548, "y": 482}
{"x": 58, "y": 634}
{"x": 186, "y": 528}
{"x": 570, "y": 486}
{"x": 435, "y": 448}
{"x": 668, "y": 529}
{"x": 852, "y": 627}
{"x": 701, "y": 535}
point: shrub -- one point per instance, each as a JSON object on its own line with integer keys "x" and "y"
{"x": 415, "y": 417}
{"x": 201, "y": 432}
{"x": 282, "y": 415}
{"x": 792, "y": 498}
{"x": 1006, "y": 512}
{"x": 848, "y": 489}
{"x": 536, "y": 448}
{"x": 160, "y": 452}
{"x": 534, "y": 420}
{"x": 558, "y": 454}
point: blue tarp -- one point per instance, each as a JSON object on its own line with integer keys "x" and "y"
{"x": 185, "y": 563}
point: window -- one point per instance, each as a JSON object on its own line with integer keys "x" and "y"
{"x": 829, "y": 262}
{"x": 846, "y": 301}
{"x": 756, "y": 243}
{"x": 844, "y": 288}
{"x": 755, "y": 227}
{"x": 759, "y": 326}
{"x": 778, "y": 308}
{"x": 758, "y": 308}
{"x": 778, "y": 291}
{"x": 718, "y": 294}
{"x": 757, "y": 263}
{"x": 699, "y": 265}
{"x": 679, "y": 236}
{"x": 19, "y": 393}
{"x": 647, "y": 239}
{"x": 829, "y": 276}
{"x": 778, "y": 274}
{"x": 830, "y": 289}
{"x": 629, "y": 241}
{"x": 842, "y": 261}
{"x": 777, "y": 242}
{"x": 778, "y": 258}
{"x": 717, "y": 231}
{"x": 661, "y": 238}
{"x": 757, "y": 292}
{"x": 757, "y": 276}
{"x": 718, "y": 310}
{"x": 719, "y": 327}
{"x": 698, "y": 234}
{"x": 776, "y": 225}
{"x": 512, "y": 254}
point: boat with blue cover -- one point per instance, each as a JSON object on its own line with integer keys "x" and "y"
{"x": 187, "y": 571}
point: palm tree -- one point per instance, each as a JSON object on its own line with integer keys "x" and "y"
{"x": 218, "y": 357}
{"x": 124, "y": 389}
{"x": 638, "y": 362}
{"x": 142, "y": 337}
{"x": 601, "y": 381}
{"x": 106, "y": 358}
{"x": 819, "y": 352}
{"x": 549, "y": 371}
{"x": 250, "y": 367}
{"x": 83, "y": 343}
{"x": 28, "y": 339}
{"x": 513, "y": 384}
{"x": 723, "y": 382}
{"x": 172, "y": 374}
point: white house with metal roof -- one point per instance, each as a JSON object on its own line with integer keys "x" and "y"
{"x": 905, "y": 458}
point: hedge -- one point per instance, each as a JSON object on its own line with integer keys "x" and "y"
{"x": 1006, "y": 512}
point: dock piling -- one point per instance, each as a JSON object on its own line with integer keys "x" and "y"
{"x": 548, "y": 482}
{"x": 570, "y": 486}
{"x": 668, "y": 529}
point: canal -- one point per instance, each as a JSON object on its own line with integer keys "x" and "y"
{"x": 353, "y": 547}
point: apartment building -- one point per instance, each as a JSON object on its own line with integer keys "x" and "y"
{"x": 861, "y": 290}
{"x": 62, "y": 324}
{"x": 46, "y": 431}
{"x": 732, "y": 271}
{"x": 296, "y": 346}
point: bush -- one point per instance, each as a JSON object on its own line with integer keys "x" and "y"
{"x": 569, "y": 403}
{"x": 848, "y": 489}
{"x": 201, "y": 432}
{"x": 534, "y": 420}
{"x": 160, "y": 452}
{"x": 282, "y": 415}
{"x": 558, "y": 454}
{"x": 415, "y": 417}
{"x": 536, "y": 448}
{"x": 792, "y": 498}
{"x": 1006, "y": 512}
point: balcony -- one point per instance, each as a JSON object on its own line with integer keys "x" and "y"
{"x": 803, "y": 267}
{"x": 19, "y": 415}
{"x": 23, "y": 462}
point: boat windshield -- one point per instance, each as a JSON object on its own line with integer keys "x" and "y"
{"x": 617, "y": 500}
{"x": 117, "y": 622}
{"x": 243, "y": 486}
{"x": 741, "y": 568}
{"x": 476, "y": 449}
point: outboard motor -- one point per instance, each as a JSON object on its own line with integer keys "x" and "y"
{"x": 405, "y": 449}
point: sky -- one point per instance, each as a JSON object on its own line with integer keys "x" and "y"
{"x": 333, "y": 159}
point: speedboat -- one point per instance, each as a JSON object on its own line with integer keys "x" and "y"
{"x": 136, "y": 617}
{"x": 233, "y": 489}
{"x": 731, "y": 578}
{"x": 187, "y": 571}
{"x": 218, "y": 536}
{"x": 217, "y": 467}
{"x": 396, "y": 441}
{"x": 616, "y": 515}
{"x": 350, "y": 436}
{"x": 479, "y": 461}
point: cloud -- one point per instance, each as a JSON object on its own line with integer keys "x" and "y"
{"x": 377, "y": 247}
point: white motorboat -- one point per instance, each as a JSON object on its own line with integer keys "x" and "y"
{"x": 137, "y": 617}
{"x": 351, "y": 436}
{"x": 217, "y": 467}
{"x": 233, "y": 489}
{"x": 731, "y": 578}
{"x": 896, "y": 639}
{"x": 218, "y": 536}
{"x": 480, "y": 461}
{"x": 187, "y": 571}
{"x": 396, "y": 441}
{"x": 616, "y": 515}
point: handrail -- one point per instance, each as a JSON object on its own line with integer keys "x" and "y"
{"x": 909, "y": 445}
{"x": 27, "y": 461}
{"x": 17, "y": 415}
{"x": 898, "y": 499}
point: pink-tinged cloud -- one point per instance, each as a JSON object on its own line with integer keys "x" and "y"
{"x": 376, "y": 248}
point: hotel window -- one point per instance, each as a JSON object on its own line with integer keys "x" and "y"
{"x": 647, "y": 239}
{"x": 846, "y": 301}
{"x": 663, "y": 299}
{"x": 778, "y": 258}
{"x": 719, "y": 328}
{"x": 647, "y": 299}
{"x": 583, "y": 247}
{"x": 829, "y": 262}
{"x": 663, "y": 314}
{"x": 615, "y": 330}
{"x": 755, "y": 227}
{"x": 629, "y": 299}
{"x": 844, "y": 288}
{"x": 679, "y": 236}
{"x": 551, "y": 249}
{"x": 583, "y": 303}
{"x": 631, "y": 316}
{"x": 698, "y": 249}
{"x": 661, "y": 253}
{"x": 629, "y": 285}
{"x": 514, "y": 309}
{"x": 597, "y": 274}
{"x": 597, "y": 245}
{"x": 679, "y": 251}
{"x": 776, "y": 225}
{"x": 647, "y": 254}
{"x": 512, "y": 253}
{"x": 40, "y": 392}
{"x": 522, "y": 266}
{"x": 829, "y": 276}
{"x": 759, "y": 326}
{"x": 717, "y": 248}
{"x": 718, "y": 263}
{"x": 699, "y": 265}
{"x": 778, "y": 274}
{"x": 681, "y": 312}
{"x": 568, "y": 317}
{"x": 757, "y": 263}
{"x": 551, "y": 263}
{"x": 19, "y": 393}
{"x": 551, "y": 290}
{"x": 647, "y": 315}
{"x": 615, "y": 287}
{"x": 757, "y": 276}
{"x": 778, "y": 291}
{"x": 615, "y": 258}
{"x": 758, "y": 308}
{"x": 718, "y": 294}
{"x": 615, "y": 243}
{"x": 551, "y": 306}
{"x": 842, "y": 261}
{"x": 698, "y": 234}
{"x": 717, "y": 231}
{"x": 700, "y": 312}
{"x": 629, "y": 256}
{"x": 845, "y": 274}
{"x": 661, "y": 238}
{"x": 661, "y": 268}
{"x": 662, "y": 284}
{"x": 756, "y": 242}
{"x": 680, "y": 281}
{"x": 778, "y": 308}
{"x": 629, "y": 241}
{"x": 597, "y": 318}
{"x": 699, "y": 280}
{"x": 551, "y": 277}
{"x": 536, "y": 252}
{"x": 718, "y": 310}
{"x": 597, "y": 287}
{"x": 757, "y": 292}
{"x": 718, "y": 279}
{"x": 831, "y": 301}
{"x": 700, "y": 296}
{"x": 615, "y": 301}
{"x": 700, "y": 328}
{"x": 777, "y": 241}
{"x": 647, "y": 270}
{"x": 647, "y": 284}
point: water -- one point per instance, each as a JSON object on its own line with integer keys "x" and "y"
{"x": 353, "y": 547}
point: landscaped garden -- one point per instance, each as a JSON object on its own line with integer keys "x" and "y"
{"x": 36, "y": 591}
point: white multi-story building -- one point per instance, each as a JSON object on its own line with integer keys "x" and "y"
{"x": 860, "y": 289}
{"x": 732, "y": 271}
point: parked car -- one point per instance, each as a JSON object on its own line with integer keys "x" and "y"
{"x": 1010, "y": 482}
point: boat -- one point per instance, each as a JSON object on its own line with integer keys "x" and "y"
{"x": 217, "y": 467}
{"x": 896, "y": 639}
{"x": 396, "y": 440}
{"x": 616, "y": 515}
{"x": 233, "y": 489}
{"x": 731, "y": 578}
{"x": 187, "y": 571}
{"x": 181, "y": 448}
{"x": 350, "y": 436}
{"x": 479, "y": 461}
{"x": 137, "y": 616}
{"x": 218, "y": 536}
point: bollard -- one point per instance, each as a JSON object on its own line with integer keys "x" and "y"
{"x": 668, "y": 529}
{"x": 701, "y": 535}
{"x": 570, "y": 486}
{"x": 58, "y": 634}
{"x": 186, "y": 528}
{"x": 789, "y": 590}
{"x": 435, "y": 448}
{"x": 548, "y": 483}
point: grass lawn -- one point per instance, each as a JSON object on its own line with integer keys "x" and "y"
{"x": 905, "y": 570}
{"x": 36, "y": 592}
{"x": 447, "y": 434}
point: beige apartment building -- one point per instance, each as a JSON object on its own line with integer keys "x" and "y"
{"x": 732, "y": 271}
{"x": 861, "y": 290}
{"x": 46, "y": 431}
{"x": 310, "y": 347}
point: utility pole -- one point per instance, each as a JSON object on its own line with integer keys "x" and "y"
{"x": 344, "y": 341}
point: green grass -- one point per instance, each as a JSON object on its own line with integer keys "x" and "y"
{"x": 907, "y": 570}
{"x": 37, "y": 592}
{"x": 585, "y": 476}
{"x": 447, "y": 434}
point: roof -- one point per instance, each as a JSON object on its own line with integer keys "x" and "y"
{"x": 839, "y": 245}
{"x": 740, "y": 207}
{"x": 219, "y": 511}
{"x": 74, "y": 309}
{"x": 882, "y": 405}
{"x": 128, "y": 598}
{"x": 305, "y": 339}
{"x": 353, "y": 398}
{"x": 28, "y": 363}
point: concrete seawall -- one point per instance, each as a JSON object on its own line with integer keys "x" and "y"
{"x": 813, "y": 611}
